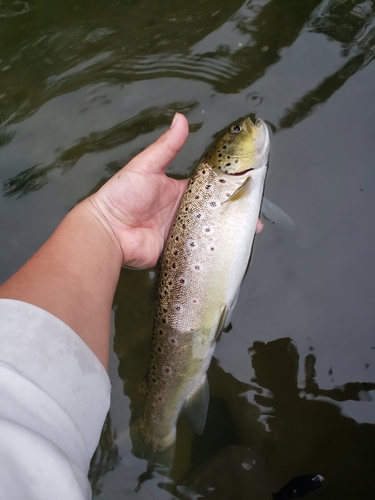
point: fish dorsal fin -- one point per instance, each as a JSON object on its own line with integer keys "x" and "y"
{"x": 196, "y": 406}
{"x": 142, "y": 387}
{"x": 239, "y": 192}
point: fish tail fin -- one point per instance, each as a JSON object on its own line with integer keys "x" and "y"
{"x": 159, "y": 462}
{"x": 159, "y": 451}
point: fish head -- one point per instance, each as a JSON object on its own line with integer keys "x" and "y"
{"x": 244, "y": 147}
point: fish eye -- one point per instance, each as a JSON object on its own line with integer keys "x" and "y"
{"x": 235, "y": 129}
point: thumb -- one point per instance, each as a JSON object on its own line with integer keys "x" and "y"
{"x": 158, "y": 155}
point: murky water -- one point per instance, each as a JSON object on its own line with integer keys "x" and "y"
{"x": 84, "y": 86}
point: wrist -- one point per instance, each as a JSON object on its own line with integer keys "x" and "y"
{"x": 91, "y": 210}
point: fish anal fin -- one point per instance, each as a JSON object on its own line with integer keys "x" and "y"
{"x": 239, "y": 192}
{"x": 196, "y": 406}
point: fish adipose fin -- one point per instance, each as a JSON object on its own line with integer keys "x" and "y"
{"x": 196, "y": 407}
{"x": 239, "y": 192}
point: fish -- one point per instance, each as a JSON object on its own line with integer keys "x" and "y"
{"x": 201, "y": 269}
{"x": 299, "y": 487}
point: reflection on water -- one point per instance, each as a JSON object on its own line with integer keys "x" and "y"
{"x": 105, "y": 458}
{"x": 147, "y": 121}
{"x": 248, "y": 450}
{"x": 86, "y": 85}
{"x": 228, "y": 70}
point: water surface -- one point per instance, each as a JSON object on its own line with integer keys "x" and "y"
{"x": 84, "y": 86}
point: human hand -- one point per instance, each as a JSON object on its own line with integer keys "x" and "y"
{"x": 137, "y": 205}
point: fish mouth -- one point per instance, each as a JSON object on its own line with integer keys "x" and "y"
{"x": 238, "y": 174}
{"x": 259, "y": 131}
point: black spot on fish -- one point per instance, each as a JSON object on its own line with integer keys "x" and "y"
{"x": 174, "y": 265}
{"x": 224, "y": 147}
{"x": 299, "y": 487}
{"x": 228, "y": 164}
{"x": 199, "y": 216}
{"x": 161, "y": 332}
{"x": 223, "y": 181}
{"x": 164, "y": 320}
{"x": 213, "y": 204}
{"x": 175, "y": 252}
{"x": 219, "y": 155}
{"x": 159, "y": 349}
{"x": 182, "y": 280}
{"x": 208, "y": 186}
{"x": 197, "y": 197}
{"x": 203, "y": 171}
{"x": 208, "y": 229}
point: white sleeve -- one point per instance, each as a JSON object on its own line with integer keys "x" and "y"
{"x": 54, "y": 397}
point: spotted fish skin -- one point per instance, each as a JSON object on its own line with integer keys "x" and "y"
{"x": 204, "y": 260}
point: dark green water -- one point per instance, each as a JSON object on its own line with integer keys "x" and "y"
{"x": 84, "y": 86}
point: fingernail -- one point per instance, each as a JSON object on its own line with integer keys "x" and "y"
{"x": 175, "y": 118}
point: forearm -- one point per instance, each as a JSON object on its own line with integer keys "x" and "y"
{"x": 73, "y": 276}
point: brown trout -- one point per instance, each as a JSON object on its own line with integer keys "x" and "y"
{"x": 202, "y": 266}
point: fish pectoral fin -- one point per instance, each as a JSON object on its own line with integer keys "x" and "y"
{"x": 239, "y": 192}
{"x": 276, "y": 215}
{"x": 196, "y": 406}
